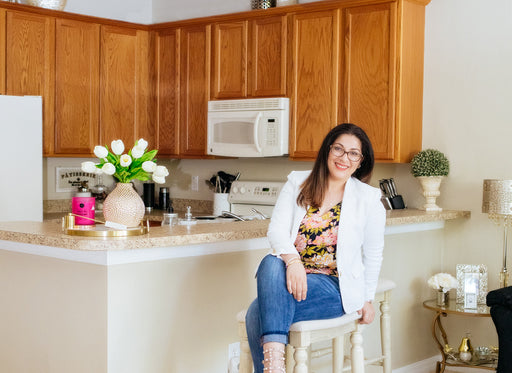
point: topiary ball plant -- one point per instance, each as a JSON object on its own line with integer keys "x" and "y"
{"x": 430, "y": 162}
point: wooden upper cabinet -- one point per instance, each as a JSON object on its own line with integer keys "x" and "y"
{"x": 194, "y": 88}
{"x": 229, "y": 60}
{"x": 29, "y": 63}
{"x": 77, "y": 73}
{"x": 267, "y": 62}
{"x": 125, "y": 88}
{"x": 168, "y": 87}
{"x": 249, "y": 58}
{"x": 369, "y": 78}
{"x": 313, "y": 80}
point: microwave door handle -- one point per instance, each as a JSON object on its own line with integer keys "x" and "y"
{"x": 256, "y": 128}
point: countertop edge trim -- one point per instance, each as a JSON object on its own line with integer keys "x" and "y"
{"x": 117, "y": 257}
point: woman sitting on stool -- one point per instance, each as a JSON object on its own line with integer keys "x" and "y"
{"x": 327, "y": 238}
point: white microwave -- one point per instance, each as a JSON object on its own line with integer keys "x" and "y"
{"x": 256, "y": 127}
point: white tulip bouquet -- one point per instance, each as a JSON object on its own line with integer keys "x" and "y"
{"x": 124, "y": 167}
{"x": 443, "y": 281}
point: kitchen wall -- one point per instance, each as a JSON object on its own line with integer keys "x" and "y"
{"x": 126, "y": 10}
{"x": 467, "y": 114}
{"x": 467, "y": 111}
{"x": 172, "y": 10}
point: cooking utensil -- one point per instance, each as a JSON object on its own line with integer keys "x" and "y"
{"x": 386, "y": 188}
{"x": 222, "y": 181}
{"x": 383, "y": 187}
{"x": 393, "y": 187}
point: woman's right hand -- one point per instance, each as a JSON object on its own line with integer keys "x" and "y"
{"x": 296, "y": 280}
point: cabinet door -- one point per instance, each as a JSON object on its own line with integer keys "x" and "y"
{"x": 194, "y": 88}
{"x": 168, "y": 67}
{"x": 77, "y": 47}
{"x": 267, "y": 62}
{"x": 124, "y": 81}
{"x": 229, "y": 60}
{"x": 29, "y": 64}
{"x": 313, "y": 80}
{"x": 369, "y": 74}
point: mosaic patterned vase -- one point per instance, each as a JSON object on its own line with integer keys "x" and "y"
{"x": 263, "y": 4}
{"x": 124, "y": 206}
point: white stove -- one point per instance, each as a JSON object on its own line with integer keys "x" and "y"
{"x": 260, "y": 195}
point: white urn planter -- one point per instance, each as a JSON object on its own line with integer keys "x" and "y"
{"x": 430, "y": 185}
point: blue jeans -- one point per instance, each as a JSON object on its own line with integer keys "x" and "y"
{"x": 269, "y": 317}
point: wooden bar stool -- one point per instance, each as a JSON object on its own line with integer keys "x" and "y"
{"x": 302, "y": 334}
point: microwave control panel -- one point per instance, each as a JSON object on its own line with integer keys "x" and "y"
{"x": 255, "y": 192}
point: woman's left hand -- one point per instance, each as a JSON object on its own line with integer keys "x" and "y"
{"x": 367, "y": 313}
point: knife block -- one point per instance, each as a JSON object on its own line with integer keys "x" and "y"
{"x": 397, "y": 202}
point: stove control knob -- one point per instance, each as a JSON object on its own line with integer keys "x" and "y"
{"x": 242, "y": 190}
{"x": 234, "y": 189}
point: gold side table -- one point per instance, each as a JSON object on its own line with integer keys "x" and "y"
{"x": 439, "y": 334}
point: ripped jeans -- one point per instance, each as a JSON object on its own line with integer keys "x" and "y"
{"x": 269, "y": 317}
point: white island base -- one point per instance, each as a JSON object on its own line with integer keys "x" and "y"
{"x": 168, "y": 315}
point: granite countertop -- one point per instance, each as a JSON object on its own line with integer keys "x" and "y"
{"x": 49, "y": 232}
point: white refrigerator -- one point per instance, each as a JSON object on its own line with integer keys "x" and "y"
{"x": 21, "y": 156}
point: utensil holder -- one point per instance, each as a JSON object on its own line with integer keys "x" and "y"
{"x": 220, "y": 203}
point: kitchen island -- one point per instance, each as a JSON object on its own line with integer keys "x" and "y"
{"x": 162, "y": 302}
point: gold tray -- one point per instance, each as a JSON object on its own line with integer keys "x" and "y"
{"x": 102, "y": 231}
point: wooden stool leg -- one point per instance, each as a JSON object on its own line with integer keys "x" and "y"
{"x": 385, "y": 333}
{"x": 357, "y": 353}
{"x": 245, "y": 351}
{"x": 301, "y": 358}
{"x": 289, "y": 358}
{"x": 337, "y": 354}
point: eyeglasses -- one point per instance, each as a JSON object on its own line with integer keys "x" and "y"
{"x": 339, "y": 151}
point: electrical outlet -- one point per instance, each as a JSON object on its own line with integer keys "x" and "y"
{"x": 194, "y": 184}
{"x": 234, "y": 350}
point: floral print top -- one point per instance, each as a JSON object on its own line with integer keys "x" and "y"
{"x": 316, "y": 240}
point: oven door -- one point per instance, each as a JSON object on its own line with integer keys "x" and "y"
{"x": 235, "y": 134}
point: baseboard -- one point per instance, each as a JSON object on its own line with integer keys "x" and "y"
{"x": 423, "y": 366}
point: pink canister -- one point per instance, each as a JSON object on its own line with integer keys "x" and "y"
{"x": 83, "y": 206}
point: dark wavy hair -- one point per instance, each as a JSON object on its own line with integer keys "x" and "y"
{"x": 313, "y": 189}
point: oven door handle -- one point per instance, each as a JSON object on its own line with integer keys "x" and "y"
{"x": 256, "y": 130}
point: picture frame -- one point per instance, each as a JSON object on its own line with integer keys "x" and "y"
{"x": 472, "y": 280}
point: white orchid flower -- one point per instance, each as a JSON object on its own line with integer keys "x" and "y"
{"x": 137, "y": 152}
{"x": 100, "y": 151}
{"x": 108, "y": 168}
{"x": 161, "y": 171}
{"x": 149, "y": 166}
{"x": 117, "y": 147}
{"x": 88, "y": 166}
{"x": 141, "y": 143}
{"x": 158, "y": 179}
{"x": 125, "y": 160}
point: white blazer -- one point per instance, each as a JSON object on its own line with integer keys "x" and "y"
{"x": 360, "y": 236}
